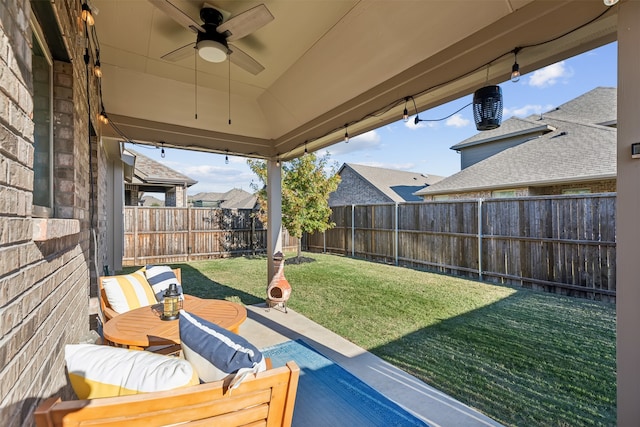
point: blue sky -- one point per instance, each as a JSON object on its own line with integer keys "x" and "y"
{"x": 424, "y": 148}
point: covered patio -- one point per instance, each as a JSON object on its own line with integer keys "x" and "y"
{"x": 314, "y": 74}
{"x": 337, "y": 69}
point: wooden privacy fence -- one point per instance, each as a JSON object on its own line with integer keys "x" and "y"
{"x": 564, "y": 244}
{"x": 154, "y": 235}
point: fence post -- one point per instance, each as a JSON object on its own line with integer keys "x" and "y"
{"x": 480, "y": 239}
{"x": 135, "y": 235}
{"x": 189, "y": 229}
{"x": 353, "y": 230}
{"x": 324, "y": 242}
{"x": 395, "y": 242}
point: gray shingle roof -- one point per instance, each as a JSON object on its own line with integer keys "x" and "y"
{"x": 513, "y": 126}
{"x": 575, "y": 152}
{"x": 398, "y": 185}
{"x": 597, "y": 106}
{"x": 149, "y": 171}
{"x": 232, "y": 199}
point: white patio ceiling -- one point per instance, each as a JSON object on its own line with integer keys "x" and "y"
{"x": 327, "y": 64}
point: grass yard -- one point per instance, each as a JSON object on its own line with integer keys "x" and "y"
{"x": 524, "y": 358}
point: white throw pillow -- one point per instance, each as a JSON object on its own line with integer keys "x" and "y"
{"x": 103, "y": 371}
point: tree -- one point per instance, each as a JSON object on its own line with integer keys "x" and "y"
{"x": 306, "y": 184}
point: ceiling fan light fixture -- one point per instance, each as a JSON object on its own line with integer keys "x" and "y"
{"x": 212, "y": 51}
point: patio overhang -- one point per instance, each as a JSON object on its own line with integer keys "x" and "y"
{"x": 327, "y": 65}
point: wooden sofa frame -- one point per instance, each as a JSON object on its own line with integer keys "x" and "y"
{"x": 264, "y": 399}
{"x": 107, "y": 312}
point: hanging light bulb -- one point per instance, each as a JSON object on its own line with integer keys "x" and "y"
{"x": 162, "y": 151}
{"x": 346, "y": 134}
{"x": 515, "y": 69}
{"x": 87, "y": 16}
{"x": 226, "y": 158}
{"x": 305, "y": 148}
{"x": 610, "y": 2}
{"x": 405, "y": 113}
{"x": 103, "y": 118}
{"x": 277, "y": 162}
{"x": 97, "y": 71}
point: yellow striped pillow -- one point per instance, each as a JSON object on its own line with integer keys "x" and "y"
{"x": 128, "y": 291}
{"x": 102, "y": 371}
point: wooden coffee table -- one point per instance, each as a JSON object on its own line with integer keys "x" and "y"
{"x": 143, "y": 327}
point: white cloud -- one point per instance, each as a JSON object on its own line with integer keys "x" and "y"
{"x": 364, "y": 142}
{"x": 550, "y": 75}
{"x": 526, "y": 110}
{"x": 368, "y": 137}
{"x": 219, "y": 178}
{"x": 457, "y": 121}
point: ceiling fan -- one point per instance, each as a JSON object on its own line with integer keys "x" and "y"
{"x": 217, "y": 30}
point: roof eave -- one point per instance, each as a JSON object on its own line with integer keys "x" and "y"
{"x": 426, "y": 192}
{"x": 537, "y": 129}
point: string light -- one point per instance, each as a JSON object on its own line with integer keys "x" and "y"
{"x": 278, "y": 162}
{"x": 226, "y": 158}
{"x": 97, "y": 71}
{"x": 162, "y": 150}
{"x": 102, "y": 117}
{"x": 305, "y": 148}
{"x": 515, "y": 69}
{"x": 87, "y": 16}
{"x": 346, "y": 134}
{"x": 405, "y": 113}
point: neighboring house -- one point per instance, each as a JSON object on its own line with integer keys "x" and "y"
{"x": 232, "y": 199}
{"x": 153, "y": 177}
{"x": 361, "y": 184}
{"x": 571, "y": 149}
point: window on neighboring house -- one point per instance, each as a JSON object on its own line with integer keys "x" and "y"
{"x": 500, "y": 194}
{"x": 42, "y": 72}
{"x": 576, "y": 191}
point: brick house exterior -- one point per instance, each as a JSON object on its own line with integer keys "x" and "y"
{"x": 47, "y": 271}
{"x": 360, "y": 184}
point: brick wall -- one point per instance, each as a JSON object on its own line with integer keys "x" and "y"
{"x": 602, "y": 186}
{"x": 44, "y": 278}
{"x": 353, "y": 189}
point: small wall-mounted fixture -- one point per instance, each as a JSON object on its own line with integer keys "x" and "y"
{"x": 635, "y": 150}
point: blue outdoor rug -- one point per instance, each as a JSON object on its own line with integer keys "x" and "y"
{"x": 330, "y": 396}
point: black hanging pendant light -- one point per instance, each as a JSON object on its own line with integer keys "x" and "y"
{"x": 487, "y": 107}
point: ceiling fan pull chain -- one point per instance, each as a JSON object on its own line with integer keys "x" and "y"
{"x": 195, "y": 58}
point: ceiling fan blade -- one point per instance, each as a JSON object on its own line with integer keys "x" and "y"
{"x": 180, "y": 53}
{"x": 244, "y": 61}
{"x": 177, "y": 15}
{"x": 246, "y": 22}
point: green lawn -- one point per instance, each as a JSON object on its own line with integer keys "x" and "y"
{"x": 524, "y": 358}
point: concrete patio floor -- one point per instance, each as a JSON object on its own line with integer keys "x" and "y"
{"x": 266, "y": 327}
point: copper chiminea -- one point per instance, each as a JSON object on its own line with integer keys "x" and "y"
{"x": 279, "y": 289}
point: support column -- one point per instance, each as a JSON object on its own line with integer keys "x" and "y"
{"x": 628, "y": 215}
{"x": 274, "y": 220}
